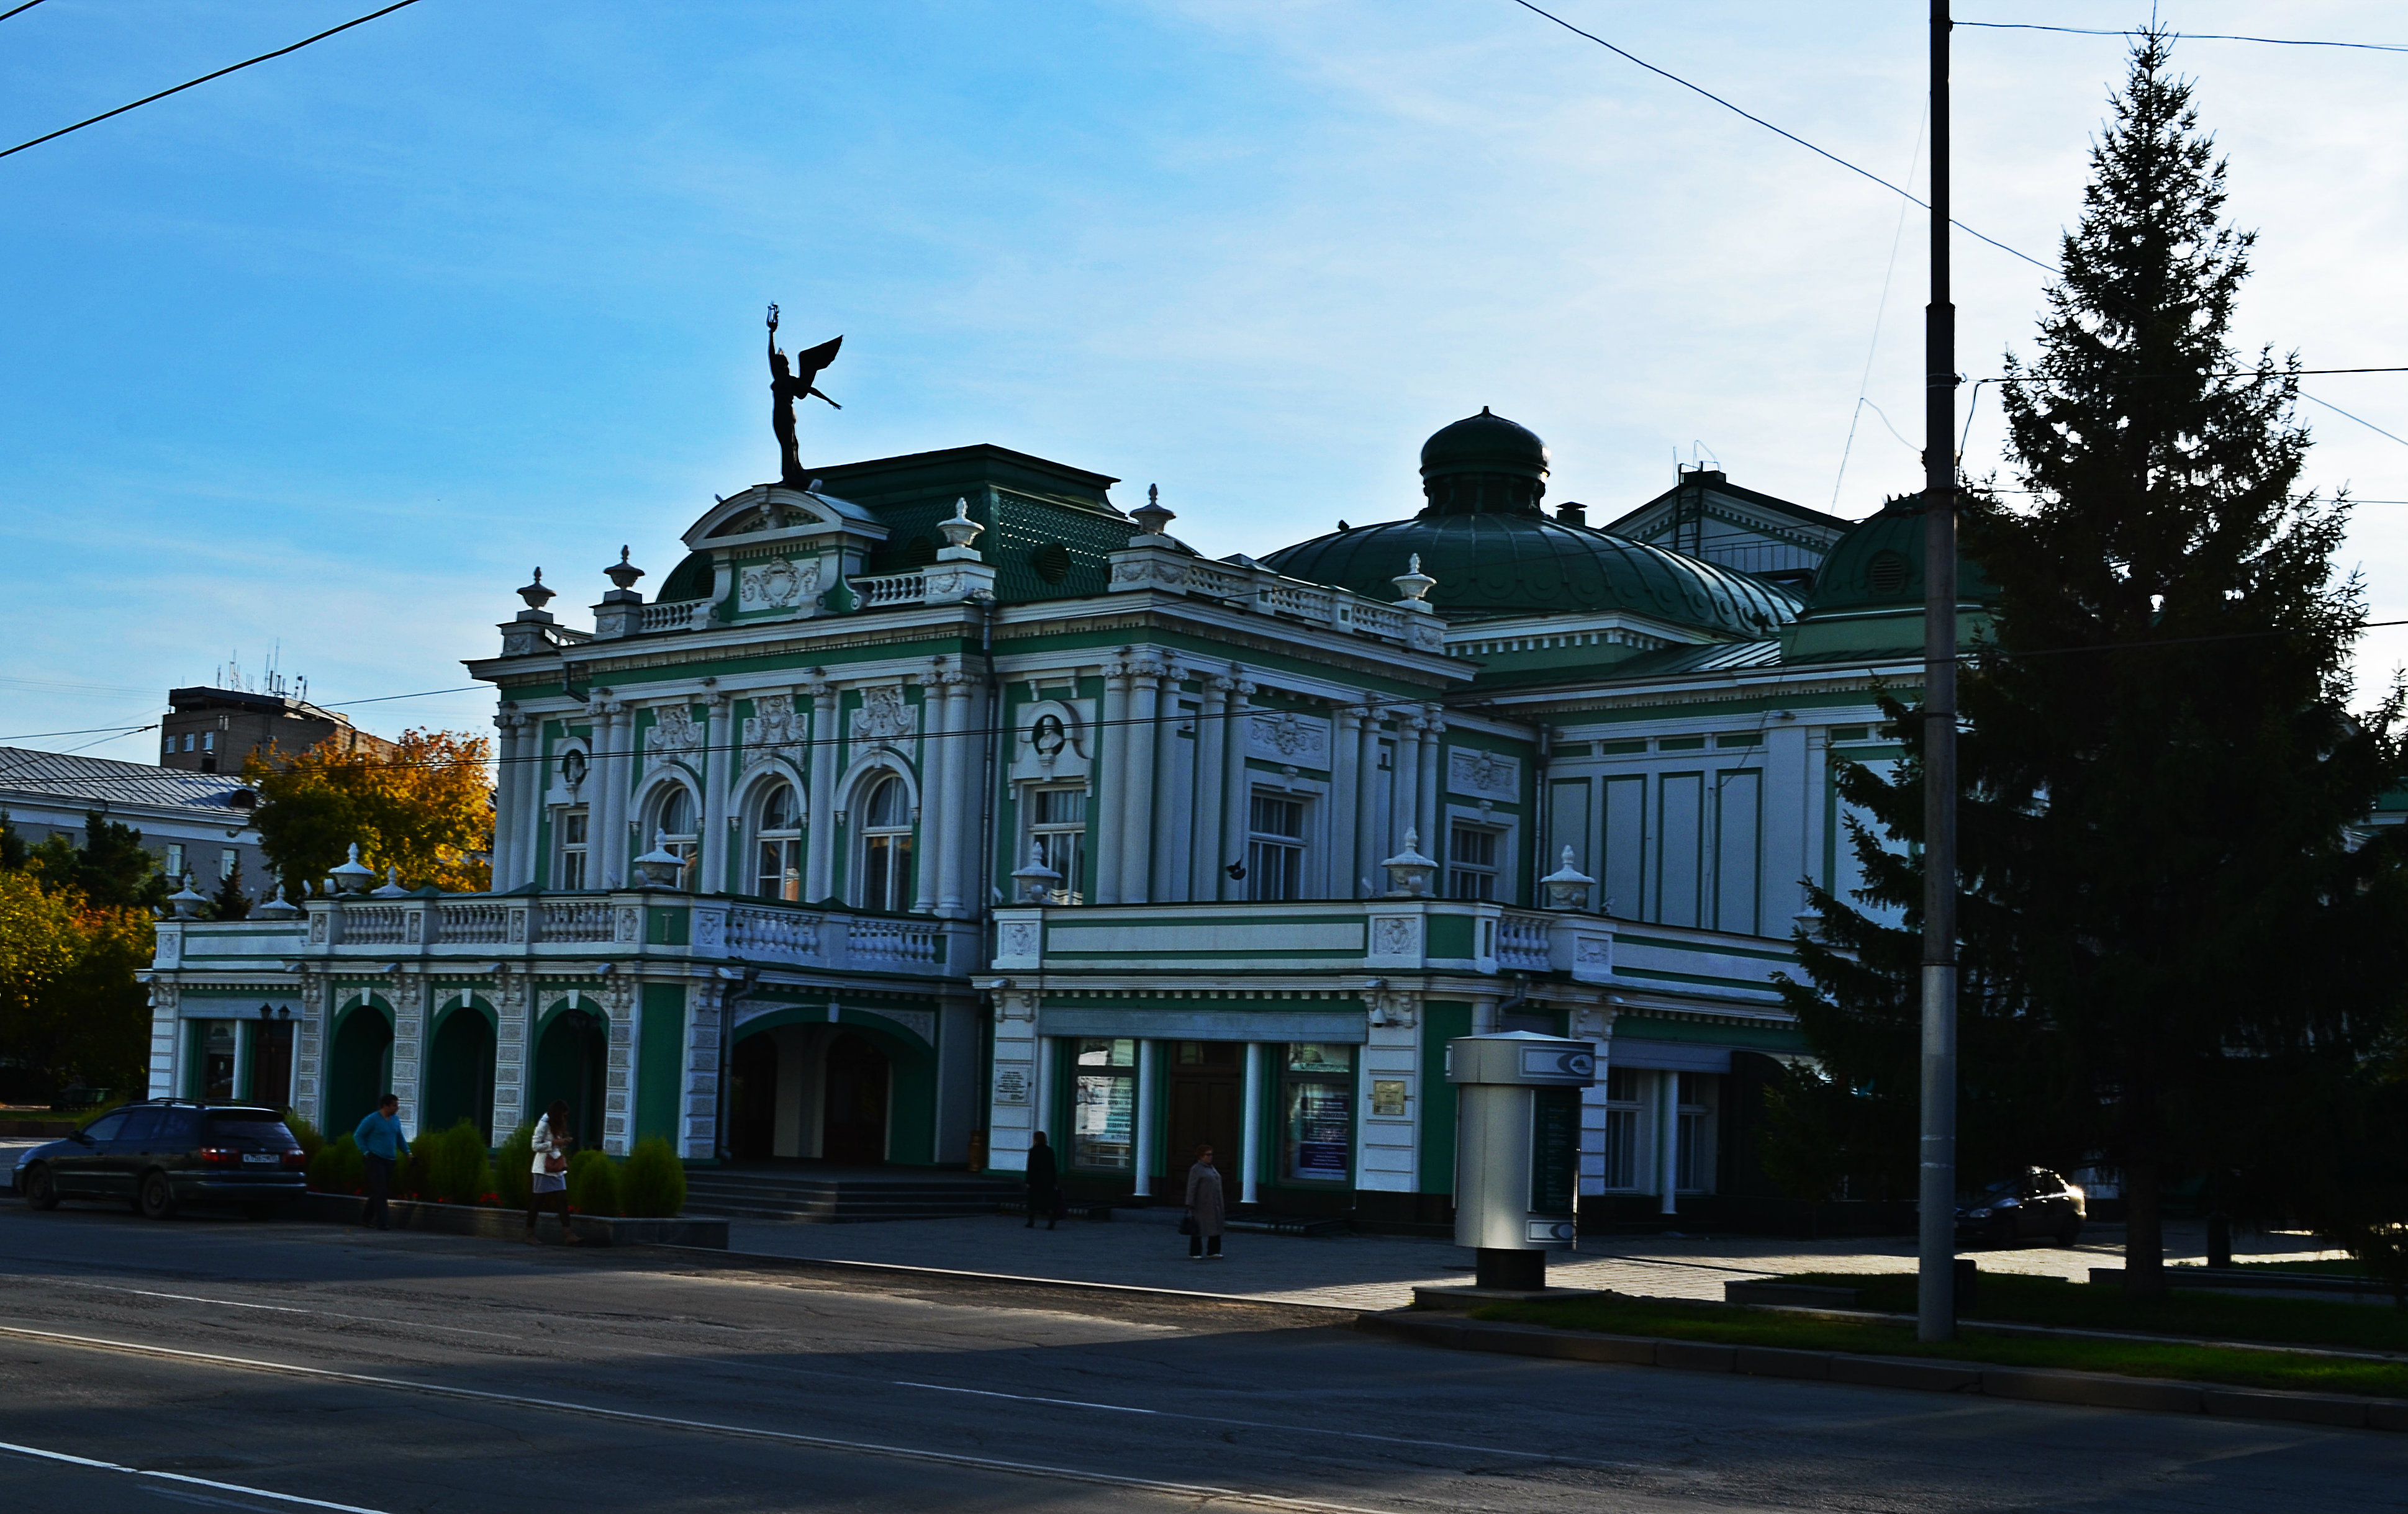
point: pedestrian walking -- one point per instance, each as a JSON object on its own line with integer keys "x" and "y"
{"x": 1044, "y": 1182}
{"x": 381, "y": 1143}
{"x": 1205, "y": 1215}
{"x": 548, "y": 1187}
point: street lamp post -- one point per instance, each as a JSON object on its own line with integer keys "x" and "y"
{"x": 1936, "y": 1190}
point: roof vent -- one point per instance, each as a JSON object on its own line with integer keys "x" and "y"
{"x": 1572, "y": 512}
{"x": 1886, "y": 573}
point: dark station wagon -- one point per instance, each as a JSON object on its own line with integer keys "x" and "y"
{"x": 168, "y": 1152}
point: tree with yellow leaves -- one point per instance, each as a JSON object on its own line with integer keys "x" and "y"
{"x": 70, "y": 1008}
{"x": 425, "y": 809}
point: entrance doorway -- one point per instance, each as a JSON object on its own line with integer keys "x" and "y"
{"x": 359, "y": 1070}
{"x": 569, "y": 1066}
{"x": 855, "y": 1126}
{"x": 752, "y": 1099}
{"x": 460, "y": 1075}
{"x": 271, "y": 1063}
{"x": 1207, "y": 1092}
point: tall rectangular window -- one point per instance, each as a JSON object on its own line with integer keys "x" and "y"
{"x": 175, "y": 859}
{"x": 1471, "y": 862}
{"x": 1317, "y": 1099}
{"x": 1275, "y": 847}
{"x": 1693, "y": 1161}
{"x": 228, "y": 860}
{"x": 1103, "y": 1106}
{"x": 1057, "y": 829}
{"x": 1622, "y": 1109}
{"x": 571, "y": 875}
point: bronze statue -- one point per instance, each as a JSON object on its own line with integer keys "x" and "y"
{"x": 785, "y": 387}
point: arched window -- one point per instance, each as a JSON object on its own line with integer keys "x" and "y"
{"x": 777, "y": 849}
{"x": 886, "y": 831}
{"x": 673, "y": 821}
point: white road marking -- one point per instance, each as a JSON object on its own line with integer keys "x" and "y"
{"x": 982, "y": 1463}
{"x": 271, "y": 1308}
{"x": 179, "y": 1477}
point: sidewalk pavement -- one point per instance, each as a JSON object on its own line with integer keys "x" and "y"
{"x": 1380, "y": 1272}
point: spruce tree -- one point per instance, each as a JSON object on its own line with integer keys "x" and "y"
{"x": 2176, "y": 939}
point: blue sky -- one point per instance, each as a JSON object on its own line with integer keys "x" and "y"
{"x": 329, "y": 353}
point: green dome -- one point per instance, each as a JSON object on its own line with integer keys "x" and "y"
{"x": 1878, "y": 566}
{"x": 1495, "y": 553}
{"x": 1490, "y": 564}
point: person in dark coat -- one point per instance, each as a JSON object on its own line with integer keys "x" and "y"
{"x": 1204, "y": 1208}
{"x": 1042, "y": 1180}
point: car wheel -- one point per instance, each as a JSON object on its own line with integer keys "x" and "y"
{"x": 2070, "y": 1232}
{"x": 41, "y": 1189}
{"x": 158, "y": 1196}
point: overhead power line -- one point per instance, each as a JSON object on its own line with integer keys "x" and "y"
{"x": 1793, "y": 137}
{"x": 2187, "y": 37}
{"x": 231, "y": 68}
{"x": 14, "y": 11}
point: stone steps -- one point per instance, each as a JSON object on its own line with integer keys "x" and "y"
{"x": 841, "y": 1199}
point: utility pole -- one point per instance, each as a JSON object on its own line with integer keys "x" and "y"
{"x": 1936, "y": 1278}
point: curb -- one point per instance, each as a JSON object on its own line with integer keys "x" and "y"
{"x": 2088, "y": 1390}
{"x": 510, "y": 1224}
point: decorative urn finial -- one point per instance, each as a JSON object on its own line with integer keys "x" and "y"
{"x": 959, "y": 531}
{"x": 535, "y": 594}
{"x": 1408, "y": 871}
{"x": 351, "y": 877}
{"x": 622, "y": 574}
{"x": 1567, "y": 886}
{"x": 1151, "y": 517}
{"x": 1412, "y": 584}
{"x": 1036, "y": 882}
{"x": 660, "y": 866}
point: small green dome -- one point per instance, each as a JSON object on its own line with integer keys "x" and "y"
{"x": 1485, "y": 464}
{"x": 1489, "y": 565}
{"x": 1878, "y": 566}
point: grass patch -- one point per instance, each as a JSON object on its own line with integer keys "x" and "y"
{"x": 1723, "y": 1324}
{"x": 2018, "y": 1299}
{"x": 2336, "y": 1266}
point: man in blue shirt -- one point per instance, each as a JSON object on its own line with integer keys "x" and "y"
{"x": 380, "y": 1142}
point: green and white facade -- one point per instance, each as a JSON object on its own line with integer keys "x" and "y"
{"x": 995, "y": 809}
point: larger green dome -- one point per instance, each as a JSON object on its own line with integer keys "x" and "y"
{"x": 1494, "y": 554}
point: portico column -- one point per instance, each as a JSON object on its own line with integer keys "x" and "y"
{"x": 506, "y": 795}
{"x": 1145, "y": 1158}
{"x": 718, "y": 775}
{"x": 820, "y": 778}
{"x": 1169, "y": 813}
{"x": 1250, "y": 1140}
{"x": 955, "y": 892}
{"x": 1427, "y": 791}
{"x": 1366, "y": 802}
{"x": 534, "y": 779}
{"x": 1345, "y": 781}
{"x": 1668, "y": 1140}
{"x": 1137, "y": 797}
{"x": 1211, "y": 741}
{"x": 606, "y": 830}
{"x": 934, "y": 803}
{"x": 1041, "y": 1117}
{"x": 1404, "y": 803}
{"x": 1235, "y": 790}
{"x": 1111, "y": 745}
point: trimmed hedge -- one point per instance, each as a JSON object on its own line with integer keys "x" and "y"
{"x": 457, "y": 1169}
{"x": 651, "y": 1185}
{"x": 513, "y": 1168}
{"x": 304, "y": 1133}
{"x": 593, "y": 1184}
{"x": 340, "y": 1168}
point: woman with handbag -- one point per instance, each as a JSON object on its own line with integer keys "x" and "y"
{"x": 549, "y": 1189}
{"x": 1205, "y": 1218}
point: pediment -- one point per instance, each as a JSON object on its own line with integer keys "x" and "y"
{"x": 772, "y": 513}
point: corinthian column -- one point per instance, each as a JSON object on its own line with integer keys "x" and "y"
{"x": 1235, "y": 790}
{"x": 1212, "y": 742}
{"x": 819, "y": 863}
{"x": 1404, "y": 783}
{"x": 1345, "y": 780}
{"x": 507, "y": 803}
{"x": 1137, "y": 795}
{"x": 961, "y": 800}
{"x": 1111, "y": 747}
{"x": 715, "y": 852}
{"x": 1366, "y": 801}
{"x": 1427, "y": 790}
{"x": 936, "y": 804}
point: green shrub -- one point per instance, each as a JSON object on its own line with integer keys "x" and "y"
{"x": 340, "y": 1168}
{"x": 652, "y": 1183}
{"x": 458, "y": 1171}
{"x": 593, "y": 1184}
{"x": 512, "y": 1168}
{"x": 306, "y": 1133}
{"x": 410, "y": 1173}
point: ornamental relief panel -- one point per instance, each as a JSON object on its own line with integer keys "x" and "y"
{"x": 884, "y": 715}
{"x": 778, "y": 584}
{"x": 1288, "y": 737}
{"x": 1485, "y": 773}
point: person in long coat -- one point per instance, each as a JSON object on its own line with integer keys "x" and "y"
{"x": 1204, "y": 1208}
{"x": 1042, "y": 1180}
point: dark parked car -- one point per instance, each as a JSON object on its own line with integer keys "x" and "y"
{"x": 2039, "y": 1202}
{"x": 158, "y": 1155}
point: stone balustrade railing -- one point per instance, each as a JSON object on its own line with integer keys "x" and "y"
{"x": 1261, "y": 591}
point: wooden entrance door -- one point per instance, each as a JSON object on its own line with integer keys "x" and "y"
{"x": 1207, "y": 1106}
{"x": 752, "y": 1099}
{"x": 271, "y": 1063}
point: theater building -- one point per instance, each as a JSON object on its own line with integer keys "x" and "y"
{"x": 943, "y": 801}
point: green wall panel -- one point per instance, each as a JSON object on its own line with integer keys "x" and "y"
{"x": 660, "y": 1059}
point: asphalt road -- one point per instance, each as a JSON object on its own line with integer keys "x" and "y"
{"x": 285, "y": 1366}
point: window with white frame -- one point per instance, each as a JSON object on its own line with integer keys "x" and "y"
{"x": 777, "y": 845}
{"x": 228, "y": 860}
{"x": 1694, "y": 1166}
{"x": 1471, "y": 852}
{"x": 175, "y": 859}
{"x": 883, "y": 879}
{"x": 571, "y": 871}
{"x": 1057, "y": 829}
{"x": 676, "y": 828}
{"x": 1623, "y": 1097}
{"x": 1275, "y": 847}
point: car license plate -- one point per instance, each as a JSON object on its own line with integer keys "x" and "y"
{"x": 261, "y": 1159}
